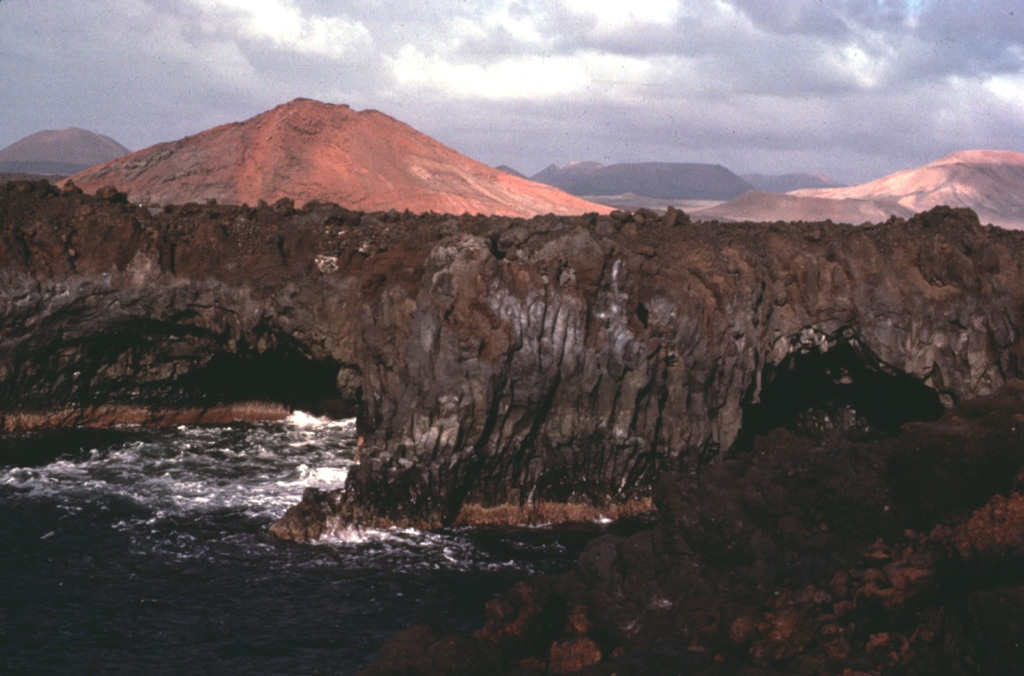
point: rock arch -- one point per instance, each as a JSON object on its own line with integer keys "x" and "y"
{"x": 824, "y": 385}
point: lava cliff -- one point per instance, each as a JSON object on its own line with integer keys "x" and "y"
{"x": 499, "y": 367}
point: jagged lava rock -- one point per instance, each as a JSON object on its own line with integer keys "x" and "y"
{"x": 570, "y": 362}
{"x": 794, "y": 558}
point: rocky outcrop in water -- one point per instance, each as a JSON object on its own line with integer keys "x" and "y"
{"x": 549, "y": 361}
{"x": 501, "y": 368}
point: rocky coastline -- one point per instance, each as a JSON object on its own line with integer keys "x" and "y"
{"x": 496, "y": 364}
{"x": 825, "y": 420}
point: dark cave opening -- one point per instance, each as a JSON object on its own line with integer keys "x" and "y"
{"x": 279, "y": 374}
{"x": 165, "y": 365}
{"x": 837, "y": 391}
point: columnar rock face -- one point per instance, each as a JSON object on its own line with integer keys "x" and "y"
{"x": 498, "y": 364}
{"x": 565, "y": 362}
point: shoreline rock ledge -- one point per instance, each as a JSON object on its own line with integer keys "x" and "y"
{"x": 501, "y": 369}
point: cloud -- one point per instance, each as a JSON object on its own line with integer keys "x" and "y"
{"x": 1008, "y": 88}
{"x": 284, "y": 25}
{"x": 611, "y": 15}
{"x": 532, "y": 77}
{"x": 855, "y": 88}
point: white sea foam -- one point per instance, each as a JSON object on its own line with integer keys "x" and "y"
{"x": 258, "y": 470}
{"x": 318, "y": 477}
{"x": 350, "y": 535}
{"x": 302, "y": 419}
{"x": 157, "y": 482}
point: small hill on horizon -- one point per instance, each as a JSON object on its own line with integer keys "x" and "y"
{"x": 991, "y": 182}
{"x": 789, "y": 182}
{"x": 59, "y": 152}
{"x": 658, "y": 180}
{"x": 756, "y": 205}
{"x": 307, "y": 151}
{"x": 509, "y": 170}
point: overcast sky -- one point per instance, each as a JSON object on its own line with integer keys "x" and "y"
{"x": 852, "y": 88}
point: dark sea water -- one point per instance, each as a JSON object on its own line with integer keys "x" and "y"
{"x": 146, "y": 552}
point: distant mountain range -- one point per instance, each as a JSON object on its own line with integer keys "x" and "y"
{"x": 657, "y": 180}
{"x": 61, "y": 152}
{"x": 789, "y": 182}
{"x": 509, "y": 170}
{"x": 307, "y": 150}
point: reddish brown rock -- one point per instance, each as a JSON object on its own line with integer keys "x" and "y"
{"x": 110, "y": 415}
{"x": 523, "y": 621}
{"x": 420, "y": 651}
{"x": 303, "y": 522}
{"x": 572, "y": 655}
{"x": 994, "y": 532}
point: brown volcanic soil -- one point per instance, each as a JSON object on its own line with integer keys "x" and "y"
{"x": 764, "y": 206}
{"x": 991, "y": 182}
{"x": 311, "y": 151}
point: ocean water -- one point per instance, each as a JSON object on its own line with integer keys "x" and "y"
{"x": 135, "y": 551}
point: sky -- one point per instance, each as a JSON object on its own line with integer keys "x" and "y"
{"x": 854, "y": 89}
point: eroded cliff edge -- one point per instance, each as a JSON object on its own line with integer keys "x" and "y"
{"x": 497, "y": 364}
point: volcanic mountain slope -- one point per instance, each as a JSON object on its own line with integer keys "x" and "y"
{"x": 991, "y": 182}
{"x": 312, "y": 151}
{"x": 62, "y": 151}
{"x": 509, "y": 170}
{"x": 660, "y": 180}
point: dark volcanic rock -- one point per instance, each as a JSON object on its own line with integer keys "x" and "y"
{"x": 795, "y": 558}
{"x": 510, "y": 369}
{"x": 495, "y": 363}
{"x": 109, "y": 309}
{"x": 544, "y": 361}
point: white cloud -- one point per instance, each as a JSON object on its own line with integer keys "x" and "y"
{"x": 522, "y": 28}
{"x": 735, "y": 81}
{"x": 1008, "y": 88}
{"x": 531, "y": 77}
{"x": 283, "y": 24}
{"x": 856, "y": 64}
